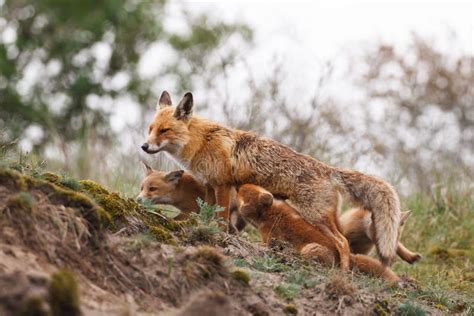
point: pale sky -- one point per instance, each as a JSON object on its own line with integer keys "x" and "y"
{"x": 304, "y": 34}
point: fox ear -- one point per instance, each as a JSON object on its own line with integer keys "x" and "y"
{"x": 265, "y": 199}
{"x": 404, "y": 217}
{"x": 174, "y": 176}
{"x": 148, "y": 169}
{"x": 184, "y": 110}
{"x": 165, "y": 100}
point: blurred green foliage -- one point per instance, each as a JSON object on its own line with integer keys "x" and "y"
{"x": 73, "y": 50}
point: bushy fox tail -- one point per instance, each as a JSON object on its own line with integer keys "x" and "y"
{"x": 370, "y": 266}
{"x": 378, "y": 197}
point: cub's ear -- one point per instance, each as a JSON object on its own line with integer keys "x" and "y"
{"x": 174, "y": 176}
{"x": 147, "y": 168}
{"x": 184, "y": 110}
{"x": 404, "y": 217}
{"x": 265, "y": 199}
{"x": 165, "y": 100}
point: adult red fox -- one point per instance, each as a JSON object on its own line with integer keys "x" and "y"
{"x": 226, "y": 158}
{"x": 277, "y": 219}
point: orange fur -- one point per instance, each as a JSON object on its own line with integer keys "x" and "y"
{"x": 180, "y": 189}
{"x": 277, "y": 219}
{"x": 356, "y": 224}
{"x": 225, "y": 157}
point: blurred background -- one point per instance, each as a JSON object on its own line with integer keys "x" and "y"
{"x": 386, "y": 88}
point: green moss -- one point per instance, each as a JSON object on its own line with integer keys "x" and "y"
{"x": 88, "y": 208}
{"x": 11, "y": 177}
{"x": 381, "y": 308}
{"x": 111, "y": 202}
{"x": 162, "y": 235}
{"x": 290, "y": 309}
{"x": 22, "y": 201}
{"x": 64, "y": 294}
{"x": 51, "y": 177}
{"x": 93, "y": 187}
{"x": 34, "y": 306}
{"x": 57, "y": 194}
{"x": 241, "y": 275}
{"x": 120, "y": 208}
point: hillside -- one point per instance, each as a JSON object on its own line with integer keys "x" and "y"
{"x": 69, "y": 247}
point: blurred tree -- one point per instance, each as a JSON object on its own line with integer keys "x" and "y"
{"x": 57, "y": 57}
{"x": 428, "y": 117}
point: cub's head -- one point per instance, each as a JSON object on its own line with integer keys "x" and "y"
{"x": 253, "y": 202}
{"x": 160, "y": 187}
{"x": 169, "y": 129}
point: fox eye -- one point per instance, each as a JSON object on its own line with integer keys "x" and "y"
{"x": 164, "y": 130}
{"x": 151, "y": 189}
{"x": 150, "y": 129}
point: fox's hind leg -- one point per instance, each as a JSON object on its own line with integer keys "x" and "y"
{"x": 407, "y": 255}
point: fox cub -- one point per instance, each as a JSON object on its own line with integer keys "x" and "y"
{"x": 226, "y": 158}
{"x": 356, "y": 224}
{"x": 276, "y": 218}
{"x": 180, "y": 189}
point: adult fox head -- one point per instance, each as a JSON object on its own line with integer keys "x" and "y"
{"x": 160, "y": 187}
{"x": 169, "y": 129}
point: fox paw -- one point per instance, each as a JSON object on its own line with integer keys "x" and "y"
{"x": 414, "y": 258}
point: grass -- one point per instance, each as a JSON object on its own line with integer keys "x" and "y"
{"x": 441, "y": 228}
{"x": 410, "y": 309}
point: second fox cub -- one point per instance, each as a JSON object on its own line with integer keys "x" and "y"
{"x": 276, "y": 218}
{"x": 356, "y": 224}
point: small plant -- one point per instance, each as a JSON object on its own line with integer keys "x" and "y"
{"x": 409, "y": 309}
{"x": 302, "y": 278}
{"x": 22, "y": 200}
{"x": 287, "y": 291}
{"x": 338, "y": 286}
{"x": 240, "y": 262}
{"x": 268, "y": 263}
{"x": 207, "y": 213}
{"x": 70, "y": 182}
{"x": 207, "y": 223}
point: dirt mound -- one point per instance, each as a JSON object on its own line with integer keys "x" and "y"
{"x": 111, "y": 244}
{"x": 70, "y": 247}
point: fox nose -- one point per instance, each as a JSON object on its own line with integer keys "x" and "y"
{"x": 145, "y": 146}
{"x": 139, "y": 199}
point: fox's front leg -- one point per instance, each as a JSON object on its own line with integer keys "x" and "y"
{"x": 223, "y": 199}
